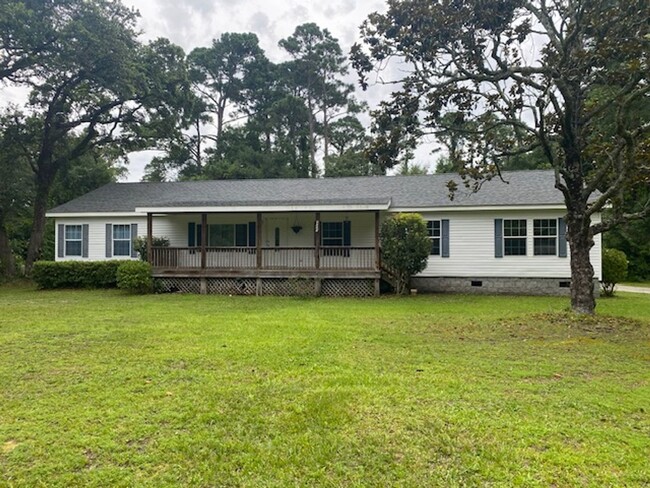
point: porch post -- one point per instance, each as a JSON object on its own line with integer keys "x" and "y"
{"x": 204, "y": 239}
{"x": 317, "y": 230}
{"x": 258, "y": 240}
{"x": 150, "y": 238}
{"x": 377, "y": 250}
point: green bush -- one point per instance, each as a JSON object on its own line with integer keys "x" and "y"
{"x": 405, "y": 246}
{"x": 135, "y": 277}
{"x": 75, "y": 274}
{"x": 140, "y": 245}
{"x": 614, "y": 270}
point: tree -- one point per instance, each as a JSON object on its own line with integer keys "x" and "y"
{"x": 317, "y": 64}
{"x": 97, "y": 86}
{"x": 405, "y": 246}
{"x": 224, "y": 73}
{"x": 349, "y": 140}
{"x": 471, "y": 59}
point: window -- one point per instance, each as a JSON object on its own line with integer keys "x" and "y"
{"x": 545, "y": 237}
{"x": 73, "y": 239}
{"x": 121, "y": 240}
{"x": 336, "y": 234}
{"x": 332, "y": 234}
{"x": 433, "y": 228}
{"x": 514, "y": 237}
{"x": 229, "y": 235}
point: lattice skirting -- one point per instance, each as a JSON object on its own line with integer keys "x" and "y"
{"x": 289, "y": 287}
{"x": 230, "y": 286}
{"x": 268, "y": 286}
{"x": 347, "y": 288}
{"x": 178, "y": 285}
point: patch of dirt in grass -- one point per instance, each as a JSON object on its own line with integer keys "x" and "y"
{"x": 9, "y": 446}
{"x": 543, "y": 325}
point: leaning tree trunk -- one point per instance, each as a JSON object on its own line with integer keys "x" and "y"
{"x": 581, "y": 241}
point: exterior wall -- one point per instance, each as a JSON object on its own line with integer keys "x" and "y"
{"x": 471, "y": 248}
{"x": 97, "y": 235}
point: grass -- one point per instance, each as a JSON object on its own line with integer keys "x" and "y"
{"x": 641, "y": 284}
{"x": 101, "y": 389}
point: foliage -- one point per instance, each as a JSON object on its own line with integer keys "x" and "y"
{"x": 405, "y": 247}
{"x": 75, "y": 274}
{"x": 633, "y": 238}
{"x": 614, "y": 270}
{"x": 135, "y": 277}
{"x": 92, "y": 84}
{"x": 272, "y": 391}
{"x": 580, "y": 98}
{"x": 140, "y": 245}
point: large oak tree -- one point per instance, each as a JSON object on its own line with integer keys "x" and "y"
{"x": 566, "y": 77}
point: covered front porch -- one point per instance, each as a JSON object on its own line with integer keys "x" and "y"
{"x": 267, "y": 252}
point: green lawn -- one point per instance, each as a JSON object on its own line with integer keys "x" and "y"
{"x": 102, "y": 389}
{"x": 641, "y": 284}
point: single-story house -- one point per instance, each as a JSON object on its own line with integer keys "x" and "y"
{"x": 286, "y": 236}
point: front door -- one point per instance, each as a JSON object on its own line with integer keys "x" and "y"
{"x": 275, "y": 234}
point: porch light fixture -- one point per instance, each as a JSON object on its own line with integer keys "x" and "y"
{"x": 296, "y": 228}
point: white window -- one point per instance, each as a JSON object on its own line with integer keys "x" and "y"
{"x": 514, "y": 237}
{"x": 121, "y": 240}
{"x": 73, "y": 240}
{"x": 433, "y": 229}
{"x": 545, "y": 237}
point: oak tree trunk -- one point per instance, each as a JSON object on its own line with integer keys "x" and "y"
{"x": 581, "y": 241}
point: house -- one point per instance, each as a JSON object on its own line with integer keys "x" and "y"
{"x": 321, "y": 236}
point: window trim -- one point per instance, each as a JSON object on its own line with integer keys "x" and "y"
{"x": 523, "y": 238}
{"x": 114, "y": 240}
{"x": 66, "y": 240}
{"x": 537, "y": 237}
{"x": 433, "y": 238}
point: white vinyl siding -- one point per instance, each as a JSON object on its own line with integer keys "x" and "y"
{"x": 471, "y": 243}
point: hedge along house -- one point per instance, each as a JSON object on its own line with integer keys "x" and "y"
{"x": 321, "y": 236}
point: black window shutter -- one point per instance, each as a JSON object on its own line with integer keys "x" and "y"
{"x": 191, "y": 234}
{"x": 109, "y": 240}
{"x": 498, "y": 238}
{"x": 134, "y": 235}
{"x": 252, "y": 241}
{"x": 347, "y": 233}
{"x": 445, "y": 238}
{"x": 561, "y": 238}
{"x": 199, "y": 235}
{"x": 60, "y": 252}
{"x": 84, "y": 241}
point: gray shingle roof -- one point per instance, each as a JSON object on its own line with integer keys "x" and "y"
{"x": 519, "y": 188}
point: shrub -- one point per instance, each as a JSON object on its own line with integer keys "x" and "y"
{"x": 405, "y": 246}
{"x": 614, "y": 270}
{"x": 75, "y": 274}
{"x": 135, "y": 277}
{"x": 140, "y": 245}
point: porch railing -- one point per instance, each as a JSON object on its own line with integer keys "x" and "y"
{"x": 272, "y": 258}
